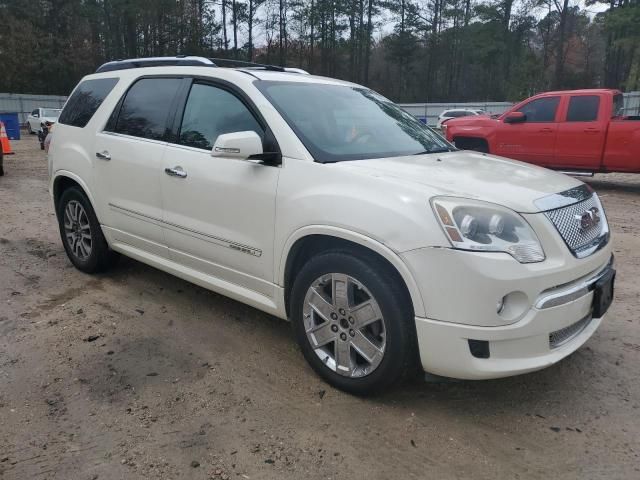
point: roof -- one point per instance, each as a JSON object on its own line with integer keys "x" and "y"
{"x": 593, "y": 91}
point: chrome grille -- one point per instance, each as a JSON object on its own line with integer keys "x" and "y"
{"x": 562, "y": 336}
{"x": 567, "y": 222}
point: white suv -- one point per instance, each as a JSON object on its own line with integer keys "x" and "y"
{"x": 319, "y": 201}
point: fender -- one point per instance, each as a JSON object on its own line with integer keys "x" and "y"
{"x": 360, "y": 239}
{"x": 65, "y": 173}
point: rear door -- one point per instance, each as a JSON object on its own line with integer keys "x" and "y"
{"x": 128, "y": 164}
{"x": 533, "y": 140}
{"x": 581, "y": 134}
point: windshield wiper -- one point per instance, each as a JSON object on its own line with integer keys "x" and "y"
{"x": 434, "y": 150}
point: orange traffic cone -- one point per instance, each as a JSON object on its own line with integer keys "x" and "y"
{"x": 4, "y": 140}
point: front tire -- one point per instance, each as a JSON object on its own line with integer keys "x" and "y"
{"x": 81, "y": 234}
{"x": 353, "y": 321}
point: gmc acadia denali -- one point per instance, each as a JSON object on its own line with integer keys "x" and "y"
{"x": 322, "y": 202}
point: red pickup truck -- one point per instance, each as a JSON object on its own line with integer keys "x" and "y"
{"x": 575, "y": 131}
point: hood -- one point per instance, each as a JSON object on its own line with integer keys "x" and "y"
{"x": 467, "y": 174}
{"x": 474, "y": 120}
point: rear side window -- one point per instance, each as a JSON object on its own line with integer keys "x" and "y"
{"x": 146, "y": 107}
{"x": 213, "y": 111}
{"x": 583, "y": 108}
{"x": 541, "y": 109}
{"x": 618, "y": 105}
{"x": 85, "y": 101}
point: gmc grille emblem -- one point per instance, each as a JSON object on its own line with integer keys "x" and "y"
{"x": 589, "y": 218}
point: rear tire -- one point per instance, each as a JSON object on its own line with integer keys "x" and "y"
{"x": 81, "y": 234}
{"x": 343, "y": 344}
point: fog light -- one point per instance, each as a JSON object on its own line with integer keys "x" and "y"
{"x": 513, "y": 306}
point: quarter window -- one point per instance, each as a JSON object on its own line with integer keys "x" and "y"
{"x": 85, "y": 101}
{"x": 211, "y": 111}
{"x": 541, "y": 109}
{"x": 146, "y": 107}
{"x": 583, "y": 108}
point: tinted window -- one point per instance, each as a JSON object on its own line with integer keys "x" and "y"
{"x": 85, "y": 100}
{"x": 343, "y": 122}
{"x": 146, "y": 107}
{"x": 541, "y": 109}
{"x": 212, "y": 111}
{"x": 583, "y": 108}
{"x": 618, "y": 106}
{"x": 35, "y": 112}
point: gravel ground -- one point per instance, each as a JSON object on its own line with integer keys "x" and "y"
{"x": 137, "y": 374}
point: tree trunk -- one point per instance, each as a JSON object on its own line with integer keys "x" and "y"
{"x": 224, "y": 26}
{"x": 234, "y": 21}
{"x": 559, "y": 72}
{"x": 367, "y": 53}
{"x": 250, "y": 27}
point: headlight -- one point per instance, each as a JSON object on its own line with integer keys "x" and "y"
{"x": 481, "y": 226}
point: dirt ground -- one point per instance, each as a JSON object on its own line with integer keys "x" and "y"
{"x": 137, "y": 374}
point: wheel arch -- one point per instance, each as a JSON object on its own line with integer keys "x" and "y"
{"x": 63, "y": 180}
{"x": 312, "y": 240}
{"x": 470, "y": 140}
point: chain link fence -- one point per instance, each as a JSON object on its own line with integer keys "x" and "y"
{"x": 24, "y": 104}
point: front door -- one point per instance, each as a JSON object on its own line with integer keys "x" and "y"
{"x": 219, "y": 213}
{"x": 128, "y": 165}
{"x": 533, "y": 140}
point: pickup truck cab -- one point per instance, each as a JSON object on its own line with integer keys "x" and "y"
{"x": 322, "y": 202}
{"x": 574, "y": 131}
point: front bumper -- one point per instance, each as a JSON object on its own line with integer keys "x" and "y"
{"x": 547, "y": 314}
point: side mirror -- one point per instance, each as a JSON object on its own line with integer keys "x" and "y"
{"x": 244, "y": 146}
{"x": 515, "y": 117}
{"x": 240, "y": 145}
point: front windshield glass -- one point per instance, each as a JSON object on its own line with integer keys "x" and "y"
{"x": 50, "y": 112}
{"x": 339, "y": 122}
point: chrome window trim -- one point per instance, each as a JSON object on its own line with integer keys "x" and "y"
{"x": 133, "y": 137}
{"x": 573, "y": 291}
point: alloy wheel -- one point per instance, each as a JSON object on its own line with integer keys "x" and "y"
{"x": 344, "y": 325}
{"x": 77, "y": 230}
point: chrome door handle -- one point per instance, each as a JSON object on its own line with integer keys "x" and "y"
{"x": 175, "y": 172}
{"x": 104, "y": 155}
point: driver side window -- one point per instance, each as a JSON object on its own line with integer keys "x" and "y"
{"x": 211, "y": 111}
{"x": 541, "y": 109}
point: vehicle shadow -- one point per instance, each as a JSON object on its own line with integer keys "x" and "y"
{"x": 570, "y": 381}
{"x": 601, "y": 184}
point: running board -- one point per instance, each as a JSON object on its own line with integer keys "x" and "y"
{"x": 577, "y": 173}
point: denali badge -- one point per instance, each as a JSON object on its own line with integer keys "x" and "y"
{"x": 589, "y": 218}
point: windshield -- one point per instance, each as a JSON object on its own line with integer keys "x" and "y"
{"x": 340, "y": 122}
{"x": 50, "y": 112}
